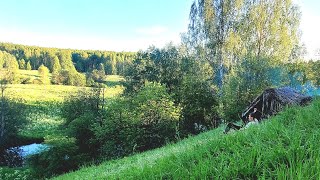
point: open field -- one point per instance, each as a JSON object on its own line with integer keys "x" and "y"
{"x": 44, "y": 101}
{"x": 57, "y": 93}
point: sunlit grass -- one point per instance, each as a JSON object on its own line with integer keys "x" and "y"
{"x": 51, "y": 93}
{"x": 41, "y": 93}
{"x": 114, "y": 78}
{"x": 44, "y": 102}
{"x": 29, "y": 73}
{"x": 284, "y": 147}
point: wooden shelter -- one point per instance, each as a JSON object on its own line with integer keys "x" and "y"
{"x": 273, "y": 100}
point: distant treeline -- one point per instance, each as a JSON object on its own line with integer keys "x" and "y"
{"x": 32, "y": 57}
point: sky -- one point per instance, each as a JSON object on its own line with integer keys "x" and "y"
{"x": 117, "y": 25}
{"x": 310, "y": 26}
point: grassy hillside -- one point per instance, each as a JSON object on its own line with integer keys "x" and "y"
{"x": 284, "y": 147}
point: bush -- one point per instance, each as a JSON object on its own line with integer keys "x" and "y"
{"x": 145, "y": 121}
{"x": 81, "y": 111}
{"x": 80, "y": 129}
{"x": 158, "y": 116}
{"x": 12, "y": 113}
{"x": 83, "y": 102}
{"x": 199, "y": 105}
{"x": 69, "y": 77}
{"x": 243, "y": 84}
{"x": 14, "y": 173}
{"x": 61, "y": 157}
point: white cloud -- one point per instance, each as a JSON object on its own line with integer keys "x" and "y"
{"x": 153, "y": 30}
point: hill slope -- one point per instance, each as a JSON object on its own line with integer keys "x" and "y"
{"x": 284, "y": 147}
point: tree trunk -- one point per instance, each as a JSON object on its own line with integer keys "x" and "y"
{"x": 2, "y": 122}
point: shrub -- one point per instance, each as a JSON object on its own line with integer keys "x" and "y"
{"x": 147, "y": 120}
{"x": 199, "y": 104}
{"x": 80, "y": 129}
{"x": 14, "y": 173}
{"x": 61, "y": 157}
{"x": 69, "y": 77}
{"x": 83, "y": 102}
{"x": 12, "y": 114}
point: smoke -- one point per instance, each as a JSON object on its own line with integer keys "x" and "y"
{"x": 308, "y": 89}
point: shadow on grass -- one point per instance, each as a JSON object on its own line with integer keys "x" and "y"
{"x": 113, "y": 83}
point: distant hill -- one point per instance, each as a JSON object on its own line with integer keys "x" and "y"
{"x": 283, "y": 147}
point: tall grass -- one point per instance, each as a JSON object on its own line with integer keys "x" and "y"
{"x": 283, "y": 147}
{"x": 31, "y": 93}
{"x": 43, "y": 103}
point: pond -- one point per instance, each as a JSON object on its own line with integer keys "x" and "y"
{"x": 16, "y": 156}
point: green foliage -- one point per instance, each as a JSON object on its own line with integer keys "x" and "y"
{"x": 56, "y": 67}
{"x": 141, "y": 71}
{"x": 225, "y": 33}
{"x": 158, "y": 116}
{"x": 44, "y": 74}
{"x": 28, "y": 66}
{"x": 12, "y": 114}
{"x": 12, "y": 118}
{"x": 302, "y": 72}
{"x": 144, "y": 121}
{"x": 80, "y": 129}
{"x": 66, "y": 77}
{"x": 81, "y": 111}
{"x": 83, "y": 102}
{"x": 199, "y": 104}
{"x": 11, "y": 68}
{"x": 186, "y": 80}
{"x": 22, "y": 64}
{"x": 60, "y": 157}
{"x": 13, "y": 173}
{"x": 246, "y": 82}
{"x": 96, "y": 76}
{"x": 284, "y": 147}
{"x": 85, "y": 61}
{"x": 155, "y": 65}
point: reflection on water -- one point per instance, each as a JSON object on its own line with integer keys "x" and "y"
{"x": 32, "y": 149}
{"x": 16, "y": 156}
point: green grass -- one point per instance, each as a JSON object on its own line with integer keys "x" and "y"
{"x": 29, "y": 73}
{"x": 30, "y": 93}
{"x": 14, "y": 173}
{"x": 50, "y": 93}
{"x": 284, "y": 147}
{"x": 44, "y": 102}
{"x": 114, "y": 80}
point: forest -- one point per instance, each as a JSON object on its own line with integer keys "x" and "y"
{"x": 102, "y": 105}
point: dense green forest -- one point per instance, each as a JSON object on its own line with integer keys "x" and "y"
{"x": 66, "y": 64}
{"x": 232, "y": 51}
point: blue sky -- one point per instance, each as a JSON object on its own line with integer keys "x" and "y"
{"x": 120, "y": 25}
{"x": 96, "y": 24}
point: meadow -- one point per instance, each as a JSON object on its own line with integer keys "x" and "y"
{"x": 31, "y": 93}
{"x": 43, "y": 102}
{"x": 283, "y": 147}
{"x": 43, "y": 107}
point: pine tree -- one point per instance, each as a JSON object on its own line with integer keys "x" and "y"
{"x": 22, "y": 64}
{"x": 44, "y": 74}
{"x": 56, "y": 67}
{"x": 29, "y": 66}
